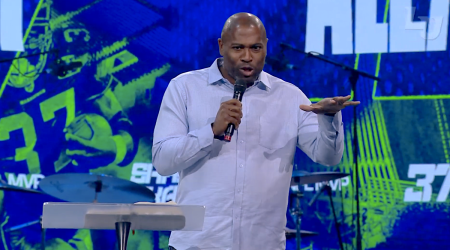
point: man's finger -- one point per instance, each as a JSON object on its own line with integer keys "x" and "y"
{"x": 233, "y": 120}
{"x": 351, "y": 103}
{"x": 233, "y": 108}
{"x": 74, "y": 138}
{"x": 341, "y": 99}
{"x": 306, "y": 108}
{"x": 346, "y": 98}
{"x": 234, "y": 102}
{"x": 237, "y": 115}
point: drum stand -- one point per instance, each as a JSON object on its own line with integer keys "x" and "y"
{"x": 298, "y": 212}
{"x": 336, "y": 224}
{"x": 326, "y": 187}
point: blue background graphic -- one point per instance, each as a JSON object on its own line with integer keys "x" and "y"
{"x": 131, "y": 49}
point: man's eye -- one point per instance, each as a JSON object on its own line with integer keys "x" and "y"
{"x": 257, "y": 47}
{"x": 237, "y": 48}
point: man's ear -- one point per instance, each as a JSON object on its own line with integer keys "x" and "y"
{"x": 220, "y": 42}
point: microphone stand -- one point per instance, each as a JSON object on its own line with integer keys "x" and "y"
{"x": 354, "y": 76}
{"x": 56, "y": 68}
{"x": 28, "y": 56}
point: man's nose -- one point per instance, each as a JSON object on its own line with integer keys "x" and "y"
{"x": 247, "y": 56}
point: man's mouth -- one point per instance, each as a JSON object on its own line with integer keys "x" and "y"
{"x": 246, "y": 71}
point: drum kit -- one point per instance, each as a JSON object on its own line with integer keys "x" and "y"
{"x": 90, "y": 188}
{"x": 97, "y": 188}
{"x": 303, "y": 178}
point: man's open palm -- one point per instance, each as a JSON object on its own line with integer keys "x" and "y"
{"x": 329, "y": 105}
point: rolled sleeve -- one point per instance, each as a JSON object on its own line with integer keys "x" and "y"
{"x": 205, "y": 137}
{"x": 330, "y": 123}
{"x": 321, "y": 137}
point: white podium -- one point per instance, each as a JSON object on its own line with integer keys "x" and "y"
{"x": 123, "y": 217}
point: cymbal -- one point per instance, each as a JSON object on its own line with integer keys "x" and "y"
{"x": 302, "y": 177}
{"x": 303, "y": 233}
{"x": 5, "y": 186}
{"x": 78, "y": 187}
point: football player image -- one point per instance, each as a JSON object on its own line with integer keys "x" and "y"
{"x": 59, "y": 113}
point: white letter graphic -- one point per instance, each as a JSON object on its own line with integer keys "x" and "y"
{"x": 11, "y": 35}
{"x": 370, "y": 37}
{"x": 334, "y": 13}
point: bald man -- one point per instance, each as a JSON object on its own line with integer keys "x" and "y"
{"x": 244, "y": 183}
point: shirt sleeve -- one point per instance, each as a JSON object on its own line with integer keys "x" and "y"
{"x": 174, "y": 147}
{"x": 321, "y": 137}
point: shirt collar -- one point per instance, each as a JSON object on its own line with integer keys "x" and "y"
{"x": 215, "y": 76}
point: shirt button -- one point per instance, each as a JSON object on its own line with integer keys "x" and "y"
{"x": 239, "y": 190}
{"x": 241, "y": 166}
{"x": 241, "y": 141}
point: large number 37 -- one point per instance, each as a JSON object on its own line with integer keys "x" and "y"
{"x": 24, "y": 122}
{"x": 430, "y": 171}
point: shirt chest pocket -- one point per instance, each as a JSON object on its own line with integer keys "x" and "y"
{"x": 275, "y": 134}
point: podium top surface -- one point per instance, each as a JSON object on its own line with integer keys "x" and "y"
{"x": 143, "y": 216}
{"x": 301, "y": 177}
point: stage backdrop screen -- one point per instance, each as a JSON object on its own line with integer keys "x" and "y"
{"x": 93, "y": 73}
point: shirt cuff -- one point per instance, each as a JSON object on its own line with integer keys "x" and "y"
{"x": 330, "y": 123}
{"x": 205, "y": 136}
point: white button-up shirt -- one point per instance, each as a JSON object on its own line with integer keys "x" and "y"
{"x": 244, "y": 184}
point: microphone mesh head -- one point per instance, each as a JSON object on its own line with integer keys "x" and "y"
{"x": 240, "y": 85}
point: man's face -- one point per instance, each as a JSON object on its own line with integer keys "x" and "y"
{"x": 244, "y": 53}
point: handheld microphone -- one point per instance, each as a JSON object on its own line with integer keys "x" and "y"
{"x": 239, "y": 88}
